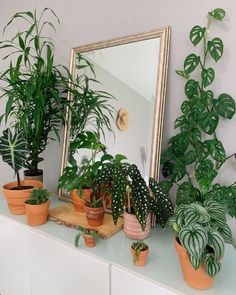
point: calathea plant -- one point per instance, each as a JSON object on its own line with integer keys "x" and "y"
{"x": 33, "y": 85}
{"x": 14, "y": 152}
{"x": 125, "y": 184}
{"x": 195, "y": 155}
{"x": 202, "y": 230}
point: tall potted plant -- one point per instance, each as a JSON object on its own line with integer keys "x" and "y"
{"x": 34, "y": 87}
{"x": 195, "y": 155}
{"x": 13, "y": 149}
{"x": 128, "y": 189}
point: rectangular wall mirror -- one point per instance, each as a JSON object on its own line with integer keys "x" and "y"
{"x": 133, "y": 70}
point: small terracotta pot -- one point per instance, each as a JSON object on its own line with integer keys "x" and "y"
{"x": 142, "y": 257}
{"x": 133, "y": 229}
{"x": 79, "y": 201}
{"x": 95, "y": 216}
{"x": 29, "y": 176}
{"x": 16, "y": 198}
{"x": 197, "y": 279}
{"x": 89, "y": 240}
{"x": 37, "y": 214}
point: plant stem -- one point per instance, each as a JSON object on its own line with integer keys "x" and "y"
{"x": 226, "y": 160}
{"x": 18, "y": 180}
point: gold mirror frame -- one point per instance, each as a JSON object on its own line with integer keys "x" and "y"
{"x": 164, "y": 35}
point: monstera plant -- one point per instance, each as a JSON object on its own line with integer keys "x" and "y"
{"x": 201, "y": 230}
{"x": 127, "y": 187}
{"x": 195, "y": 155}
{"x": 13, "y": 149}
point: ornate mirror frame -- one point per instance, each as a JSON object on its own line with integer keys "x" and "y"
{"x": 164, "y": 35}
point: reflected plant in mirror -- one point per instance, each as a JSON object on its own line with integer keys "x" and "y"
{"x": 194, "y": 156}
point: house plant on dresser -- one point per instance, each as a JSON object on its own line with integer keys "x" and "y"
{"x": 33, "y": 85}
{"x": 13, "y": 149}
{"x": 194, "y": 157}
{"x": 124, "y": 183}
{"x": 139, "y": 251}
{"x": 201, "y": 231}
{"x": 37, "y": 206}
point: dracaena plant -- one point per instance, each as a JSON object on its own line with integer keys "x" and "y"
{"x": 33, "y": 85}
{"x": 13, "y": 149}
{"x": 202, "y": 230}
{"x": 195, "y": 155}
{"x": 124, "y": 183}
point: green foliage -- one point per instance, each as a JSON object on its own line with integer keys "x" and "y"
{"x": 138, "y": 247}
{"x": 13, "y": 149}
{"x": 38, "y": 197}
{"x": 194, "y": 156}
{"x": 34, "y": 87}
{"x": 83, "y": 231}
{"x": 202, "y": 230}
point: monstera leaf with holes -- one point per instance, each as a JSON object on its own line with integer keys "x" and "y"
{"x": 13, "y": 149}
{"x": 202, "y": 231}
{"x": 195, "y": 154}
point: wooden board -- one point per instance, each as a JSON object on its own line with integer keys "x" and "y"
{"x": 66, "y": 215}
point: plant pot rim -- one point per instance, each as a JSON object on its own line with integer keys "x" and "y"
{"x": 9, "y": 185}
{"x": 94, "y": 208}
{"x": 131, "y": 247}
{"x": 33, "y": 205}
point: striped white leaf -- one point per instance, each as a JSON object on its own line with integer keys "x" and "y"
{"x": 195, "y": 261}
{"x": 226, "y": 233}
{"x": 212, "y": 266}
{"x": 194, "y": 239}
{"x": 196, "y": 213}
{"x": 13, "y": 149}
{"x": 216, "y": 241}
{"x": 215, "y": 209}
{"x": 218, "y": 223}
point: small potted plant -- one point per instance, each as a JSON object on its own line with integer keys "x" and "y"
{"x": 128, "y": 189}
{"x": 89, "y": 236}
{"x": 201, "y": 231}
{"x": 13, "y": 149}
{"x": 94, "y": 210}
{"x": 139, "y": 251}
{"x": 37, "y": 207}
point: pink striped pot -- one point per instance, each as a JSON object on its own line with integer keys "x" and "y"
{"x": 133, "y": 229}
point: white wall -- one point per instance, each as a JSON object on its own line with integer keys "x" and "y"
{"x": 86, "y": 21}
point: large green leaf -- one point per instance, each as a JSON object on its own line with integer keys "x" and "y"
{"x": 209, "y": 122}
{"x": 205, "y": 170}
{"x": 194, "y": 239}
{"x": 186, "y": 193}
{"x": 216, "y": 242}
{"x": 185, "y": 108}
{"x": 208, "y": 76}
{"x": 196, "y": 34}
{"x": 215, "y": 209}
{"x": 191, "y": 62}
{"x": 225, "y": 106}
{"x": 196, "y": 213}
{"x": 212, "y": 266}
{"x": 207, "y": 97}
{"x": 216, "y": 149}
{"x": 218, "y": 14}
{"x": 197, "y": 108}
{"x": 182, "y": 123}
{"x": 190, "y": 157}
{"x": 178, "y": 171}
{"x": 191, "y": 88}
{"x": 13, "y": 149}
{"x": 216, "y": 48}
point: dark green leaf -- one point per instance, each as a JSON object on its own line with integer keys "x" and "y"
{"x": 207, "y": 97}
{"x": 216, "y": 149}
{"x": 209, "y": 121}
{"x": 205, "y": 170}
{"x": 178, "y": 171}
{"x": 183, "y": 74}
{"x": 225, "y": 106}
{"x": 182, "y": 123}
{"x": 186, "y": 193}
{"x": 185, "y": 108}
{"x": 208, "y": 75}
{"x": 190, "y": 157}
{"x": 197, "y": 34}
{"x": 21, "y": 43}
{"x": 191, "y": 88}
{"x": 217, "y": 13}
{"x": 216, "y": 48}
{"x": 191, "y": 62}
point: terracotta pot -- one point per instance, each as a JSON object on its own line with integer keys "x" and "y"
{"x": 197, "y": 279}
{"x": 79, "y": 201}
{"x": 133, "y": 229}
{"x": 142, "y": 257}
{"x": 16, "y": 198}
{"x": 29, "y": 176}
{"x": 37, "y": 214}
{"x": 95, "y": 216}
{"x": 90, "y": 241}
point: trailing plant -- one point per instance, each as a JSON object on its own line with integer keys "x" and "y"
{"x": 84, "y": 231}
{"x": 195, "y": 155}
{"x": 38, "y": 197}
{"x": 13, "y": 149}
{"x": 138, "y": 247}
{"x": 125, "y": 184}
{"x": 34, "y": 86}
{"x": 202, "y": 230}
